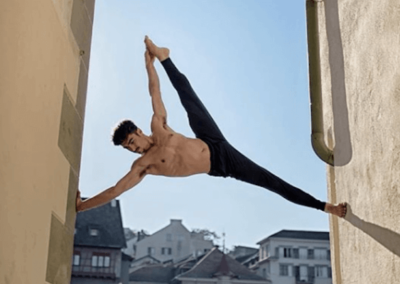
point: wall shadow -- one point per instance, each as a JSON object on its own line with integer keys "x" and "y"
{"x": 343, "y": 148}
{"x": 387, "y": 238}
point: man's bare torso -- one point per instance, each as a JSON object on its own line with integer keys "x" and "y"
{"x": 175, "y": 155}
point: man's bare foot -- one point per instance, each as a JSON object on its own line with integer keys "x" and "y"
{"x": 161, "y": 53}
{"x": 339, "y": 210}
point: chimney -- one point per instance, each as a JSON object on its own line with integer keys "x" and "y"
{"x": 176, "y": 221}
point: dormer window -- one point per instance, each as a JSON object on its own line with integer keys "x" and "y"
{"x": 94, "y": 232}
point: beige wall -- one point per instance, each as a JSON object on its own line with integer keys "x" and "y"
{"x": 42, "y": 99}
{"x": 361, "y": 90}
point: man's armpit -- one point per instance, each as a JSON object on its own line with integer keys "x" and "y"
{"x": 158, "y": 122}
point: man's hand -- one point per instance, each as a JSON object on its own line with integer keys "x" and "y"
{"x": 149, "y": 57}
{"x": 78, "y": 200}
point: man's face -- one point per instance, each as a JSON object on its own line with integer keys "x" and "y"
{"x": 136, "y": 142}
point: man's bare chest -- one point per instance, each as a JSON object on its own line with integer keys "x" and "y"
{"x": 175, "y": 155}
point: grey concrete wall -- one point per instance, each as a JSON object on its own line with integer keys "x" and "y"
{"x": 361, "y": 91}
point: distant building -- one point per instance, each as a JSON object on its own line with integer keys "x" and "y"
{"x": 99, "y": 238}
{"x": 241, "y": 253}
{"x": 295, "y": 257}
{"x": 172, "y": 243}
{"x": 213, "y": 267}
{"x": 131, "y": 239}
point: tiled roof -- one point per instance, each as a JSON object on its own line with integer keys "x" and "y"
{"x": 107, "y": 220}
{"x": 247, "y": 258}
{"x": 126, "y": 257}
{"x": 153, "y": 273}
{"x": 307, "y": 235}
{"x": 146, "y": 257}
{"x": 216, "y": 263}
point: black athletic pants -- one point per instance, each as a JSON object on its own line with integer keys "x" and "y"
{"x": 225, "y": 159}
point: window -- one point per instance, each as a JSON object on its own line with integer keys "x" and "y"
{"x": 303, "y": 253}
{"x": 296, "y": 272}
{"x": 320, "y": 254}
{"x": 267, "y": 251}
{"x": 287, "y": 252}
{"x": 94, "y": 232}
{"x": 283, "y": 270}
{"x": 106, "y": 261}
{"x": 296, "y": 253}
{"x": 100, "y": 260}
{"x": 165, "y": 251}
{"x": 310, "y": 254}
{"x": 311, "y": 274}
{"x": 264, "y": 273}
{"x": 150, "y": 251}
{"x": 76, "y": 259}
{"x": 303, "y": 273}
{"x": 94, "y": 260}
{"x": 321, "y": 271}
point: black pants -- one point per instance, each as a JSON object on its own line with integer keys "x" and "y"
{"x": 226, "y": 161}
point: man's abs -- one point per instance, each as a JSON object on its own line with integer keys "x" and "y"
{"x": 179, "y": 156}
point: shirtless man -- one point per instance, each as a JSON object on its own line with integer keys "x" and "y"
{"x": 168, "y": 153}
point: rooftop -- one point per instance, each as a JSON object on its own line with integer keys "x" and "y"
{"x": 305, "y": 235}
{"x": 100, "y": 227}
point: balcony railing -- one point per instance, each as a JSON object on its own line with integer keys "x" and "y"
{"x": 95, "y": 272}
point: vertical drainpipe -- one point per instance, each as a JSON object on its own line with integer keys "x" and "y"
{"x": 317, "y": 128}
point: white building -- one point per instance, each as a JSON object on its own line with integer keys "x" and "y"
{"x": 289, "y": 257}
{"x": 172, "y": 243}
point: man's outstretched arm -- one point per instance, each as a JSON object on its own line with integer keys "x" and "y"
{"x": 131, "y": 179}
{"x": 154, "y": 87}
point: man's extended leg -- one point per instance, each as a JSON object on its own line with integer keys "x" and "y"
{"x": 242, "y": 168}
{"x": 201, "y": 122}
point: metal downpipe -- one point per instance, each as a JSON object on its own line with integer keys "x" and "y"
{"x": 317, "y": 129}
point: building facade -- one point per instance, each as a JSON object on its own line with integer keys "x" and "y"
{"x": 99, "y": 239}
{"x": 289, "y": 257}
{"x": 172, "y": 243}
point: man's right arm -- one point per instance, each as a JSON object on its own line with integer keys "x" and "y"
{"x": 154, "y": 87}
{"x": 131, "y": 179}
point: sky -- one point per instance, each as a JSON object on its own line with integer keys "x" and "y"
{"x": 247, "y": 61}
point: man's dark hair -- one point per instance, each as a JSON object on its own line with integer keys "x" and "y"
{"x": 124, "y": 128}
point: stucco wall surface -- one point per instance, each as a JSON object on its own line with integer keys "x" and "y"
{"x": 360, "y": 65}
{"x": 41, "y": 135}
